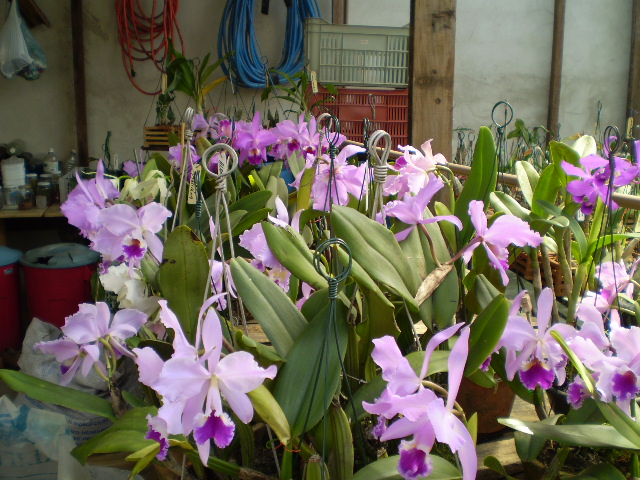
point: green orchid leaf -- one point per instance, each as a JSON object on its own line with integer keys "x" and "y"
{"x": 270, "y": 170}
{"x": 387, "y": 469}
{"x": 182, "y": 277}
{"x": 250, "y": 220}
{"x": 576, "y": 229}
{"x": 562, "y": 152}
{"x": 268, "y": 409}
{"x": 546, "y": 189}
{"x": 596, "y": 436}
{"x": 252, "y": 202}
{"x": 527, "y": 179}
{"x": 292, "y": 252}
{"x": 56, "y": 394}
{"x": 494, "y": 464}
{"x": 601, "y": 471}
{"x": 376, "y": 249}
{"x": 480, "y": 182}
{"x": 308, "y": 361}
{"x": 501, "y": 202}
{"x": 363, "y": 279}
{"x": 281, "y": 321}
{"x": 530, "y": 446}
{"x": 486, "y": 331}
{"x": 125, "y": 435}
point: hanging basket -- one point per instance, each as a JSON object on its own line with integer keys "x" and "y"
{"x": 157, "y": 137}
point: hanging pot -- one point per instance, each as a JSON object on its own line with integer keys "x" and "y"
{"x": 489, "y": 403}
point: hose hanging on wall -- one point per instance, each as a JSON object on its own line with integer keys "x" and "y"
{"x": 144, "y": 36}
{"x": 237, "y": 34}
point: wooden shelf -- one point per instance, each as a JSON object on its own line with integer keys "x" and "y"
{"x": 50, "y": 212}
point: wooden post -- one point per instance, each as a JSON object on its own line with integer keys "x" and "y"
{"x": 431, "y": 70}
{"x": 79, "y": 87}
{"x": 339, "y": 12}
{"x": 633, "y": 91}
{"x": 556, "y": 69}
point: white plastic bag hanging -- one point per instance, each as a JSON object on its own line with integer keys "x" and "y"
{"x": 20, "y": 53}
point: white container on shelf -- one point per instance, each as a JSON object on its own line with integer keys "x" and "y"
{"x": 13, "y": 172}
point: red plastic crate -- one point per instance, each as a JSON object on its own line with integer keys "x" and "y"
{"x": 352, "y": 106}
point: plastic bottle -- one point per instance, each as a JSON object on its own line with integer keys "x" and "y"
{"x": 70, "y": 163}
{"x": 51, "y": 162}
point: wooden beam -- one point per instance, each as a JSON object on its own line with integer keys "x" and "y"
{"x": 339, "y": 12}
{"x": 431, "y": 70}
{"x": 633, "y": 90}
{"x": 553, "y": 110}
{"x": 79, "y": 85}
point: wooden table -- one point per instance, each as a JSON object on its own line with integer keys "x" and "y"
{"x": 50, "y": 212}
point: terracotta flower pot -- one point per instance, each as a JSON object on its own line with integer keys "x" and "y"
{"x": 489, "y": 403}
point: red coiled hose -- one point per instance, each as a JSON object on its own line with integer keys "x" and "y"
{"x": 145, "y": 37}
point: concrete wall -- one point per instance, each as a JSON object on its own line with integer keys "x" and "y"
{"x": 502, "y": 53}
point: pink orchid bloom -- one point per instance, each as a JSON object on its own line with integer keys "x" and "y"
{"x": 506, "y": 230}
{"x": 175, "y": 157}
{"x": 347, "y": 179}
{"x": 194, "y": 380}
{"x": 411, "y": 210}
{"x": 415, "y": 170}
{"x": 424, "y": 416}
{"x": 80, "y": 345}
{"x": 87, "y": 199}
{"x": 595, "y": 180}
{"x": 255, "y": 242}
{"x": 534, "y": 352}
{"x": 252, "y": 142}
{"x": 129, "y": 233}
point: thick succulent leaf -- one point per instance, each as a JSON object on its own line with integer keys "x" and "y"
{"x": 183, "y": 276}
{"x": 281, "y": 321}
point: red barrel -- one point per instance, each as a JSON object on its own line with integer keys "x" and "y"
{"x": 9, "y": 299}
{"x": 58, "y": 279}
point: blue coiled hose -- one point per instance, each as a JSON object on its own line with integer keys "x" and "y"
{"x": 237, "y": 34}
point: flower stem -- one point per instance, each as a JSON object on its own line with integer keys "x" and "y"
{"x": 432, "y": 248}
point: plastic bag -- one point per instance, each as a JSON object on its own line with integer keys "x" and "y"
{"x": 20, "y": 53}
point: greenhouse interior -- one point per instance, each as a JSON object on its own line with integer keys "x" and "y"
{"x": 319, "y": 239}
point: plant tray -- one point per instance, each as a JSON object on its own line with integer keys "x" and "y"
{"x": 352, "y": 106}
{"x": 157, "y": 138}
{"x": 357, "y": 54}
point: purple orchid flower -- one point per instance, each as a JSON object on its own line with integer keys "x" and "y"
{"x": 192, "y": 383}
{"x": 175, "y": 157}
{"x": 411, "y": 210}
{"x": 596, "y": 182}
{"x": 534, "y": 352}
{"x": 255, "y": 242}
{"x": 252, "y": 142}
{"x": 131, "y": 168}
{"x": 414, "y": 170}
{"x": 506, "y": 230}
{"x": 83, "y": 332}
{"x": 158, "y": 432}
{"x": 129, "y": 233}
{"x": 87, "y": 199}
{"x": 424, "y": 416}
{"x": 347, "y": 179}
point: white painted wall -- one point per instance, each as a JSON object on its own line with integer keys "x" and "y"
{"x": 502, "y": 52}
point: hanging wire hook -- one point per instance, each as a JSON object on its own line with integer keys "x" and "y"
{"x": 508, "y": 114}
{"x": 333, "y": 279}
{"x": 187, "y": 162}
{"x": 612, "y": 136}
{"x": 379, "y": 169}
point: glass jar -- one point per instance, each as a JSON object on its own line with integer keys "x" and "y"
{"x": 32, "y": 181}
{"x": 55, "y": 186}
{"x": 43, "y": 194}
{"x": 11, "y": 198}
{"x": 26, "y": 198}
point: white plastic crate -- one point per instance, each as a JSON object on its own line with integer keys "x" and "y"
{"x": 357, "y": 54}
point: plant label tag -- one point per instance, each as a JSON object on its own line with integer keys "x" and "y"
{"x": 580, "y": 216}
{"x": 164, "y": 82}
{"x": 314, "y": 82}
{"x": 192, "y": 196}
{"x": 223, "y": 163}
